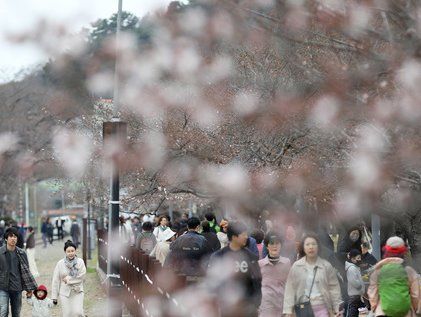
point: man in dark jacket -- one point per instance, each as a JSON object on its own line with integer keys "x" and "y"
{"x": 44, "y": 232}
{"x": 75, "y": 232}
{"x": 59, "y": 226}
{"x": 187, "y": 251}
{"x": 50, "y": 231}
{"x": 367, "y": 259}
{"x": 244, "y": 279}
{"x": 15, "y": 276}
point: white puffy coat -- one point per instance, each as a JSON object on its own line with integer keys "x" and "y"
{"x": 40, "y": 308}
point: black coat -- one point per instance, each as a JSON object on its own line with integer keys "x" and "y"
{"x": 50, "y": 229}
{"x": 212, "y": 242}
{"x": 367, "y": 261}
{"x": 30, "y": 241}
{"x": 186, "y": 254}
{"x": 346, "y": 245}
{"x": 28, "y": 282}
{"x": 247, "y": 276}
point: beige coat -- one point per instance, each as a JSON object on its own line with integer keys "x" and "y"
{"x": 373, "y": 291}
{"x": 160, "y": 251}
{"x": 326, "y": 281}
{"x": 74, "y": 284}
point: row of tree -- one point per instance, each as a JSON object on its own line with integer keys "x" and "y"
{"x": 248, "y": 105}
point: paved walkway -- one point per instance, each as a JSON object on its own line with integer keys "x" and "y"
{"x": 95, "y": 299}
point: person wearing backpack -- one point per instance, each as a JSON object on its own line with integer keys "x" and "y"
{"x": 146, "y": 240}
{"x": 356, "y": 287}
{"x": 394, "y": 287}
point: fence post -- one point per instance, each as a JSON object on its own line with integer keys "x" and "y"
{"x": 84, "y": 239}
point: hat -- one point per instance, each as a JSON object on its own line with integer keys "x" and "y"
{"x": 395, "y": 247}
{"x": 395, "y": 242}
{"x": 167, "y": 234}
{"x": 41, "y": 288}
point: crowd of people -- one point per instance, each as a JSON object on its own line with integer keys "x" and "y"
{"x": 48, "y": 226}
{"x": 277, "y": 272}
{"x": 264, "y": 272}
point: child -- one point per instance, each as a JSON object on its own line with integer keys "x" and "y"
{"x": 40, "y": 304}
{"x": 356, "y": 286}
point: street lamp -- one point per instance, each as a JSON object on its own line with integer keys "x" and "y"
{"x": 117, "y": 131}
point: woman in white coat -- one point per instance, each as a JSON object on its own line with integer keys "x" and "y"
{"x": 160, "y": 231}
{"x": 162, "y": 248}
{"x": 68, "y": 278}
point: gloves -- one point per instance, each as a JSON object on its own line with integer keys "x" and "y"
{"x": 55, "y": 301}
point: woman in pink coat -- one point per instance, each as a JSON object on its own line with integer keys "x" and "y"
{"x": 274, "y": 269}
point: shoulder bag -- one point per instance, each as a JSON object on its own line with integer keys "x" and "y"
{"x": 303, "y": 308}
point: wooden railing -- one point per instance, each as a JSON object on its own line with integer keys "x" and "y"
{"x": 142, "y": 277}
{"x": 102, "y": 249}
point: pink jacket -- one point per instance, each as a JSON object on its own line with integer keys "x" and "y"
{"x": 274, "y": 278}
{"x": 373, "y": 291}
{"x": 260, "y": 248}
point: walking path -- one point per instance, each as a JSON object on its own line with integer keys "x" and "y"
{"x": 95, "y": 298}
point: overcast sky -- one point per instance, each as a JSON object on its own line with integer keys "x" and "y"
{"x": 18, "y": 16}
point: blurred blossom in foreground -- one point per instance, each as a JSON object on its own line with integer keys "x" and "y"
{"x": 73, "y": 150}
{"x": 337, "y": 6}
{"x": 360, "y": 16}
{"x": 101, "y": 83}
{"x": 410, "y": 76}
{"x": 325, "y": 112}
{"x": 221, "y": 68}
{"x": 226, "y": 180}
{"x": 365, "y": 171}
{"x": 193, "y": 21}
{"x": 153, "y": 151}
{"x": 206, "y": 116}
{"x": 8, "y": 142}
{"x": 348, "y": 204}
{"x": 372, "y": 138}
{"x": 246, "y": 102}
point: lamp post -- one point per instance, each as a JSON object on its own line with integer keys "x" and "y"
{"x": 116, "y": 131}
{"x": 375, "y": 235}
{"x": 88, "y": 207}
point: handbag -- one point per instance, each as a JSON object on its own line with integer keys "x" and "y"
{"x": 304, "y": 309}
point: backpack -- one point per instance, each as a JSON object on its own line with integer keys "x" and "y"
{"x": 147, "y": 242}
{"x": 394, "y": 293}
